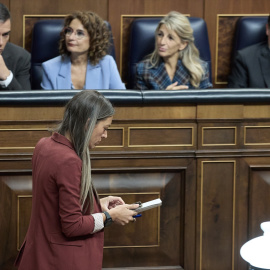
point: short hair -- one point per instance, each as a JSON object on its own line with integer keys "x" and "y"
{"x": 4, "y": 13}
{"x": 268, "y": 21}
{"x": 98, "y": 32}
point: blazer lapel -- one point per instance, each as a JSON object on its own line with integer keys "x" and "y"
{"x": 160, "y": 76}
{"x": 265, "y": 65}
{"x": 6, "y": 55}
{"x": 64, "y": 75}
{"x": 93, "y": 78}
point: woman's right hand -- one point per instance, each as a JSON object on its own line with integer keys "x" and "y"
{"x": 174, "y": 86}
{"x": 123, "y": 214}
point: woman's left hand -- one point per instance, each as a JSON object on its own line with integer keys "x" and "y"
{"x": 175, "y": 86}
{"x": 110, "y": 202}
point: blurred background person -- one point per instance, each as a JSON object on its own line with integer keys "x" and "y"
{"x": 175, "y": 63}
{"x": 251, "y": 65}
{"x": 14, "y": 60}
{"x": 84, "y": 62}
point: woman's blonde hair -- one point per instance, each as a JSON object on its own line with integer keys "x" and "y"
{"x": 98, "y": 32}
{"x": 81, "y": 115}
{"x": 190, "y": 56}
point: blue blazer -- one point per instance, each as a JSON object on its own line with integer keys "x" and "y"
{"x": 104, "y": 75}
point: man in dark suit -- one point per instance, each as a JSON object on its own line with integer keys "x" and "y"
{"x": 251, "y": 66}
{"x": 14, "y": 60}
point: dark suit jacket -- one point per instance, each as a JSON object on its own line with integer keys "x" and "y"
{"x": 251, "y": 67}
{"x": 18, "y": 61}
{"x": 59, "y": 235}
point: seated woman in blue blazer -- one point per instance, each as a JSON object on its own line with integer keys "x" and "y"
{"x": 83, "y": 62}
{"x": 175, "y": 63}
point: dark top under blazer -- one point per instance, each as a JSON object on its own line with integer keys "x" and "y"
{"x": 59, "y": 235}
{"x": 18, "y": 60}
{"x": 251, "y": 67}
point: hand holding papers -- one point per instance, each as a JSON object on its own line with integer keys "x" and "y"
{"x": 148, "y": 205}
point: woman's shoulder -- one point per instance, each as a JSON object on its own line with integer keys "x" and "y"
{"x": 143, "y": 65}
{"x": 144, "y": 62}
{"x": 204, "y": 64}
{"x": 106, "y": 63}
{"x": 106, "y": 59}
{"x": 52, "y": 61}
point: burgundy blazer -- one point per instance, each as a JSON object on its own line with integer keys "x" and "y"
{"x": 59, "y": 235}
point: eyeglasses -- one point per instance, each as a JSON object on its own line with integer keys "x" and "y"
{"x": 78, "y": 33}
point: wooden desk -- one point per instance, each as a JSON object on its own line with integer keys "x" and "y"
{"x": 209, "y": 162}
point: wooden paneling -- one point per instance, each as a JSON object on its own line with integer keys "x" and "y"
{"x": 225, "y": 38}
{"x": 150, "y": 233}
{"x": 159, "y": 232}
{"x": 19, "y": 8}
{"x": 221, "y": 17}
{"x": 216, "y": 205}
{"x": 208, "y": 163}
{"x": 116, "y": 138}
{"x": 219, "y": 136}
{"x": 259, "y": 199}
{"x": 257, "y": 135}
{"x": 10, "y": 138}
{"x": 160, "y": 237}
{"x": 121, "y": 17}
{"x": 160, "y": 136}
{"x": 24, "y": 204}
{"x": 223, "y": 134}
{"x": 28, "y": 24}
{"x": 6, "y": 3}
{"x": 229, "y": 155}
{"x": 13, "y": 222}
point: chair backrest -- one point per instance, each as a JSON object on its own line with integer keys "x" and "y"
{"x": 142, "y": 42}
{"x": 45, "y": 46}
{"x": 249, "y": 31}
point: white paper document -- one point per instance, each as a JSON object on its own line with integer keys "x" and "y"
{"x": 148, "y": 205}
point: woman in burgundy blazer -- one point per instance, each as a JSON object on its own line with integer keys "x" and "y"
{"x": 66, "y": 226}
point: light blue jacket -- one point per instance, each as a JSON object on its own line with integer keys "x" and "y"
{"x": 104, "y": 75}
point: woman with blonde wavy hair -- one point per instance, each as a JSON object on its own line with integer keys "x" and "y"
{"x": 175, "y": 63}
{"x": 84, "y": 62}
{"x": 66, "y": 229}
